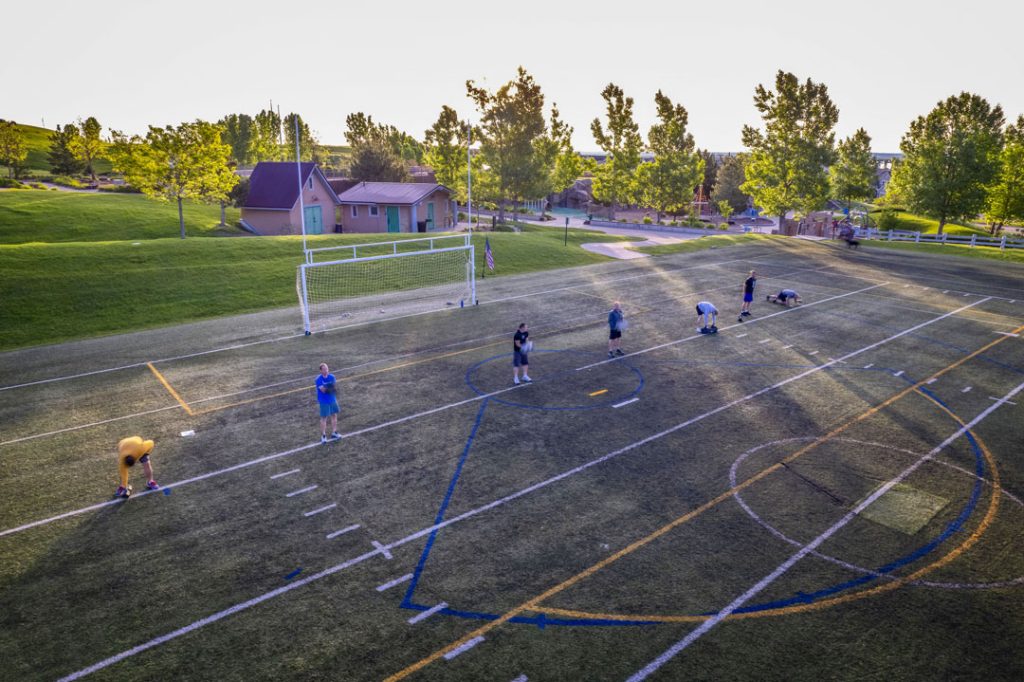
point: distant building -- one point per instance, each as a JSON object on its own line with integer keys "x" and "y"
{"x": 396, "y": 207}
{"x": 272, "y": 206}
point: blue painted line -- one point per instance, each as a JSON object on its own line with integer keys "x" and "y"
{"x": 444, "y": 506}
{"x": 293, "y": 573}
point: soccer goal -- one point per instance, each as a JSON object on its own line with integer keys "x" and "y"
{"x": 368, "y": 281}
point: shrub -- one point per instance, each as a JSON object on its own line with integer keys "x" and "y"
{"x": 647, "y": 220}
{"x": 12, "y": 183}
{"x": 122, "y": 189}
{"x": 723, "y": 226}
{"x": 887, "y": 220}
{"x": 66, "y": 181}
{"x": 462, "y": 216}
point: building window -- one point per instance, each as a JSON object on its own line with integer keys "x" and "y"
{"x": 374, "y": 211}
{"x": 311, "y": 182}
{"x": 355, "y": 211}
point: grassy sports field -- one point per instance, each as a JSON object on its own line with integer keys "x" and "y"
{"x": 829, "y": 491}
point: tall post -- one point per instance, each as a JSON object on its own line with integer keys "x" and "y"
{"x": 469, "y": 175}
{"x": 298, "y": 175}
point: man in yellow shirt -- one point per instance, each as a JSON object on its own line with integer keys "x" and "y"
{"x": 130, "y": 451}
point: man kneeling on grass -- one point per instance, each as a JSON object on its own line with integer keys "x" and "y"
{"x": 129, "y": 451}
{"x": 786, "y": 297}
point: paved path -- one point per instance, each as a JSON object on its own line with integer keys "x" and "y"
{"x": 621, "y": 250}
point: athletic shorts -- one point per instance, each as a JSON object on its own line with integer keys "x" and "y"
{"x": 519, "y": 358}
{"x": 615, "y": 334}
{"x": 327, "y": 409}
{"x": 143, "y": 459}
{"x": 783, "y": 297}
{"x": 748, "y": 296}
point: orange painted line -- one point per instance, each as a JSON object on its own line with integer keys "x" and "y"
{"x": 601, "y": 392}
{"x": 531, "y": 604}
{"x": 169, "y": 388}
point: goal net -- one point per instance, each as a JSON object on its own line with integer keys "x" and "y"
{"x": 386, "y": 279}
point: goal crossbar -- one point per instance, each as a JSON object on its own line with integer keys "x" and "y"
{"x": 395, "y": 245}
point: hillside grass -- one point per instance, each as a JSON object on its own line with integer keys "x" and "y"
{"x": 964, "y": 250}
{"x": 925, "y": 225}
{"x": 48, "y": 216}
{"x": 71, "y": 290}
{"x": 38, "y": 142}
{"x": 712, "y": 241}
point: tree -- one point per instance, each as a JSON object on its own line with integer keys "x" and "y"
{"x": 854, "y": 175}
{"x": 725, "y": 209}
{"x": 90, "y": 145}
{"x": 266, "y": 137}
{"x": 511, "y": 123}
{"x": 13, "y": 151}
{"x": 711, "y": 164}
{"x": 622, "y": 145}
{"x": 239, "y": 135}
{"x": 363, "y": 130}
{"x": 950, "y": 157}
{"x": 444, "y": 148}
{"x": 569, "y": 166}
{"x": 786, "y": 168}
{"x": 174, "y": 164}
{"x": 309, "y": 148}
{"x": 728, "y": 183}
{"x": 63, "y": 155}
{"x": 376, "y": 162}
{"x": 667, "y": 183}
{"x": 1005, "y": 200}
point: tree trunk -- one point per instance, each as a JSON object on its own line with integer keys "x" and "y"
{"x": 501, "y": 211}
{"x": 181, "y": 219}
{"x": 223, "y": 212}
{"x": 782, "y": 223}
{"x": 942, "y": 224}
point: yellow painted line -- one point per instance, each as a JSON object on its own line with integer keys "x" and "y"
{"x": 532, "y": 604}
{"x": 169, "y": 388}
{"x": 601, "y": 392}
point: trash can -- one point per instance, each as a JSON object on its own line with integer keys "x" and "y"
{"x": 421, "y": 226}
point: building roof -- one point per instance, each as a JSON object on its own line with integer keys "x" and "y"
{"x": 394, "y": 193}
{"x": 275, "y": 185}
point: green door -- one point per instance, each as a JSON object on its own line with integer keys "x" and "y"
{"x": 430, "y": 216}
{"x": 314, "y": 220}
{"x": 393, "y": 219}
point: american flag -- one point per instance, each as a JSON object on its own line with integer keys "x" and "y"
{"x": 487, "y": 253}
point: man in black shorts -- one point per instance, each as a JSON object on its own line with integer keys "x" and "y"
{"x": 520, "y": 353}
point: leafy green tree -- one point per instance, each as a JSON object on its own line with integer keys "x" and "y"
{"x": 561, "y": 165}
{"x": 728, "y": 183}
{"x": 725, "y": 209}
{"x": 511, "y": 124}
{"x": 309, "y": 147}
{"x": 90, "y": 145}
{"x": 622, "y": 145}
{"x": 786, "y": 167}
{"x": 375, "y": 161}
{"x": 1005, "y": 201}
{"x": 13, "y": 151}
{"x": 174, "y": 164}
{"x": 707, "y": 184}
{"x": 445, "y": 151}
{"x": 667, "y": 183}
{"x": 363, "y": 130}
{"x": 854, "y": 175}
{"x": 63, "y": 155}
{"x": 239, "y": 135}
{"x": 265, "y": 142}
{"x": 950, "y": 157}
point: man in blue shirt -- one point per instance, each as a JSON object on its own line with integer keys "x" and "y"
{"x": 616, "y": 323}
{"x": 327, "y": 399}
{"x": 710, "y": 314}
{"x": 520, "y": 353}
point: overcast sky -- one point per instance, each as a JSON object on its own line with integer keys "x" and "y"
{"x": 143, "y": 62}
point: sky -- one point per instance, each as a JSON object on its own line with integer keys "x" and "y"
{"x": 133, "y": 64}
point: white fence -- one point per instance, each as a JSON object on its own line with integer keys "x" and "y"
{"x": 971, "y": 240}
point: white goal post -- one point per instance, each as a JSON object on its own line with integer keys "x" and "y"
{"x": 402, "y": 277}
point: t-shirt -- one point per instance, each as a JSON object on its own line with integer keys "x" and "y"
{"x": 704, "y": 308}
{"x": 322, "y": 397}
{"x": 134, "y": 446}
{"x": 614, "y": 317}
{"x": 521, "y": 338}
{"x": 787, "y": 293}
{"x": 748, "y": 285}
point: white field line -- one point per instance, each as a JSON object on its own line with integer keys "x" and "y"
{"x": 869, "y": 365}
{"x": 992, "y": 397}
{"x": 397, "y": 581}
{"x": 521, "y": 678}
{"x": 381, "y": 549}
{"x": 1009, "y": 334}
{"x": 464, "y": 648}
{"x": 946, "y": 291}
{"x": 966, "y": 389}
{"x": 314, "y": 512}
{"x": 762, "y": 340}
{"x": 290, "y": 337}
{"x": 300, "y": 491}
{"x": 247, "y": 391}
{"x": 814, "y": 352}
{"x": 467, "y": 401}
{"x": 740, "y": 336}
{"x": 285, "y": 473}
{"x": 787, "y": 347}
{"x": 625, "y": 402}
{"x": 898, "y": 374}
{"x": 348, "y": 529}
{"x": 766, "y": 317}
{"x": 423, "y": 615}
{"x": 931, "y": 381}
{"x": 707, "y": 625}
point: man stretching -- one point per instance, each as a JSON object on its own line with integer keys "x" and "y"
{"x": 786, "y": 297}
{"x": 709, "y": 312}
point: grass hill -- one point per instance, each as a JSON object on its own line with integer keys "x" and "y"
{"x": 38, "y": 142}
